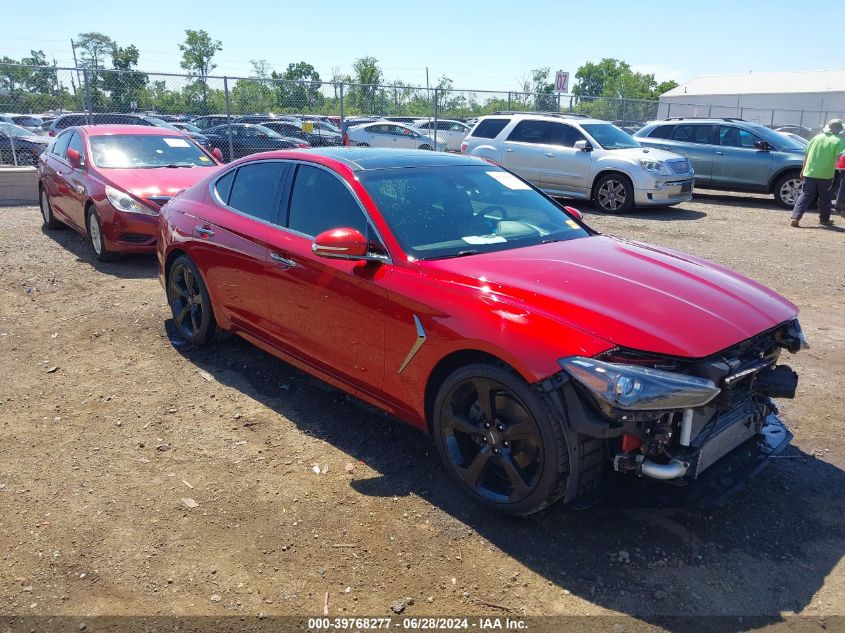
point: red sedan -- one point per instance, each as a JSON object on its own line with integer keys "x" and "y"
{"x": 109, "y": 182}
{"x": 540, "y": 354}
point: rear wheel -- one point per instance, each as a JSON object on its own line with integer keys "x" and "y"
{"x": 614, "y": 193}
{"x": 95, "y": 234}
{"x": 363, "y": 144}
{"x": 190, "y": 303}
{"x": 499, "y": 440}
{"x": 787, "y": 190}
{"x": 424, "y": 146}
{"x": 50, "y": 221}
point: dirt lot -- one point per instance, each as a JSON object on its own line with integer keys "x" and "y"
{"x": 110, "y": 431}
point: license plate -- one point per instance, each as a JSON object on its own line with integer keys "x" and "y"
{"x": 686, "y": 187}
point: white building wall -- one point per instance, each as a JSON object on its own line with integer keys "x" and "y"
{"x": 808, "y": 109}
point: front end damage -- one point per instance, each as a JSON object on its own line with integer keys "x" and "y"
{"x": 676, "y": 419}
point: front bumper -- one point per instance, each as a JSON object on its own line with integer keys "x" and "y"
{"x": 126, "y": 232}
{"x": 672, "y": 191}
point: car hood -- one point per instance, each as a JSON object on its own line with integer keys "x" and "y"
{"x": 634, "y": 154}
{"x": 630, "y": 294}
{"x": 160, "y": 181}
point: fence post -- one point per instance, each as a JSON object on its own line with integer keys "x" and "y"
{"x": 742, "y": 113}
{"x": 436, "y": 105}
{"x": 87, "y": 96}
{"x": 342, "y": 114}
{"x": 14, "y": 155}
{"x": 509, "y": 100}
{"x": 228, "y": 117}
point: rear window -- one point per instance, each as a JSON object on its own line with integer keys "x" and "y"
{"x": 68, "y": 121}
{"x": 662, "y": 131}
{"x": 489, "y": 128}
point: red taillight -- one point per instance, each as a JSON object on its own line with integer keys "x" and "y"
{"x": 464, "y": 146}
{"x": 630, "y": 443}
{"x": 51, "y": 133}
{"x": 303, "y": 145}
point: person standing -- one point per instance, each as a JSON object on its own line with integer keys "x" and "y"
{"x": 820, "y": 158}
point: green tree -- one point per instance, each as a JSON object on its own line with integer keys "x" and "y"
{"x": 198, "y": 50}
{"x": 299, "y": 88}
{"x": 615, "y": 78}
{"x": 125, "y": 86}
{"x": 94, "y": 49}
{"x": 543, "y": 91}
{"x": 366, "y": 73}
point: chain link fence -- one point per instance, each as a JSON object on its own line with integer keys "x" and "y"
{"x": 243, "y": 115}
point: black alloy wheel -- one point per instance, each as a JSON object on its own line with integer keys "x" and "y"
{"x": 190, "y": 303}
{"x": 498, "y": 441}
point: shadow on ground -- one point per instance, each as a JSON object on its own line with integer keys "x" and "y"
{"x": 768, "y": 550}
{"x": 662, "y": 214}
{"x": 138, "y": 266}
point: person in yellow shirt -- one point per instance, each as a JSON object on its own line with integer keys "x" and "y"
{"x": 817, "y": 174}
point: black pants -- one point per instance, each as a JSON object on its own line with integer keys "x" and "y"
{"x": 812, "y": 187}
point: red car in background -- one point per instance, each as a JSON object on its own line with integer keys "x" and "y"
{"x": 540, "y": 354}
{"x": 109, "y": 182}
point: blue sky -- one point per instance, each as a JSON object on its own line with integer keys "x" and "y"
{"x": 481, "y": 45}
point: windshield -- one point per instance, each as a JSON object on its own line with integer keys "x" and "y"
{"x": 10, "y": 129}
{"x": 438, "y": 212}
{"x": 326, "y": 127}
{"x": 272, "y": 133}
{"x": 609, "y": 136}
{"x": 128, "y": 151}
{"x": 189, "y": 128}
{"x": 781, "y": 141}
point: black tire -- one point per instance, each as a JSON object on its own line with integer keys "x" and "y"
{"x": 50, "y": 221}
{"x": 424, "y": 146}
{"x": 517, "y": 463}
{"x": 787, "y": 189}
{"x": 614, "y": 193}
{"x": 95, "y": 236}
{"x": 363, "y": 144}
{"x": 189, "y": 302}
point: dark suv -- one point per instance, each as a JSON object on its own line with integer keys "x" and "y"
{"x": 732, "y": 155}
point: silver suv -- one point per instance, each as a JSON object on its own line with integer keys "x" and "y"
{"x": 578, "y": 157}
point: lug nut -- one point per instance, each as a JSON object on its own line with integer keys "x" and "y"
{"x": 486, "y": 425}
{"x": 506, "y": 443}
{"x": 484, "y": 438}
{"x": 500, "y": 427}
{"x": 496, "y": 451}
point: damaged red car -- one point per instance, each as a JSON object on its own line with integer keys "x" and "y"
{"x": 543, "y": 357}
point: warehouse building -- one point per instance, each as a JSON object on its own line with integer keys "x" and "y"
{"x": 807, "y": 98}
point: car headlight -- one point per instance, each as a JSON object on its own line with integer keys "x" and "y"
{"x": 122, "y": 201}
{"x": 656, "y": 166}
{"x": 634, "y": 388}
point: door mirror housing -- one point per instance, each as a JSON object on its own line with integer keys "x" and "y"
{"x": 341, "y": 243}
{"x": 218, "y": 155}
{"x": 583, "y": 145}
{"x": 575, "y": 212}
{"x": 75, "y": 159}
{"x": 762, "y": 145}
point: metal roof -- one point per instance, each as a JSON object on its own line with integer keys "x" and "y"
{"x": 807, "y": 81}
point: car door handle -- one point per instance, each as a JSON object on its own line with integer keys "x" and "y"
{"x": 282, "y": 260}
{"x": 204, "y": 231}
{"x": 549, "y": 154}
{"x": 720, "y": 153}
{"x": 508, "y": 149}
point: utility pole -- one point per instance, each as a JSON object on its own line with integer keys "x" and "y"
{"x": 427, "y": 89}
{"x": 76, "y": 66}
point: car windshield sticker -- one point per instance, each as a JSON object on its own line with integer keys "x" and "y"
{"x": 508, "y": 180}
{"x": 572, "y": 224}
{"x": 204, "y": 159}
{"x": 484, "y": 239}
{"x": 176, "y": 142}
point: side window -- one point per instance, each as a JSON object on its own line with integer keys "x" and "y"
{"x": 736, "y": 137}
{"x": 565, "y": 135}
{"x": 489, "y": 128}
{"x": 529, "y": 132}
{"x": 456, "y": 127}
{"x": 254, "y": 189}
{"x": 662, "y": 131}
{"x": 77, "y": 144}
{"x": 425, "y": 126}
{"x": 376, "y": 129}
{"x": 60, "y": 146}
{"x": 320, "y": 201}
{"x": 223, "y": 186}
{"x": 692, "y": 133}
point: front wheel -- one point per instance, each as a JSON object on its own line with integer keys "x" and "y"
{"x": 499, "y": 441}
{"x": 95, "y": 234}
{"x": 787, "y": 190}
{"x": 190, "y": 303}
{"x": 363, "y": 144}
{"x": 425, "y": 147}
{"x": 614, "y": 193}
{"x": 50, "y": 221}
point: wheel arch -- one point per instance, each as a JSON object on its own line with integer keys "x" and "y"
{"x": 780, "y": 174}
{"x": 172, "y": 255}
{"x": 604, "y": 171}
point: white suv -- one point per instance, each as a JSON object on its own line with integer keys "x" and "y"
{"x": 577, "y": 157}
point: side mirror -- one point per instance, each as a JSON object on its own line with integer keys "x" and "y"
{"x": 218, "y": 155}
{"x": 74, "y": 158}
{"x": 342, "y": 243}
{"x": 575, "y": 212}
{"x": 584, "y": 146}
{"x": 762, "y": 145}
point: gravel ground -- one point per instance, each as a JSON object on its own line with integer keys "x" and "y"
{"x": 138, "y": 476}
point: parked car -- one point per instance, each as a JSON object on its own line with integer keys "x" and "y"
{"x": 798, "y": 139}
{"x": 386, "y": 134}
{"x": 210, "y": 121}
{"x": 198, "y": 137}
{"x": 110, "y": 181}
{"x": 405, "y": 120}
{"x": 800, "y": 130}
{"x": 631, "y": 127}
{"x": 732, "y": 155}
{"x": 98, "y": 118}
{"x": 539, "y": 353}
{"x": 19, "y": 145}
{"x": 261, "y": 118}
{"x": 29, "y": 122}
{"x": 449, "y": 131}
{"x": 579, "y": 157}
{"x": 295, "y": 129}
{"x": 248, "y": 138}
{"x": 186, "y": 127}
